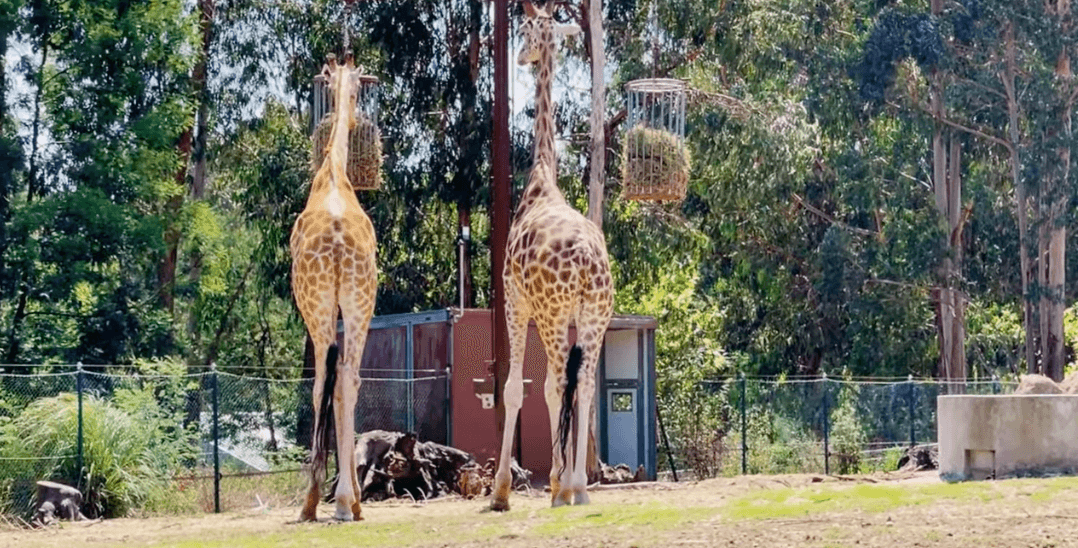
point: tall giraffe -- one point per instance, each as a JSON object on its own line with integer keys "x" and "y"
{"x": 333, "y": 269}
{"x": 556, "y": 272}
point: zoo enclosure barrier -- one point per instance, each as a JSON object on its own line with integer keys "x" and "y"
{"x": 246, "y": 434}
{"x": 771, "y": 425}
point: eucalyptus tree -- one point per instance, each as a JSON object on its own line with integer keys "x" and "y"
{"x": 107, "y": 85}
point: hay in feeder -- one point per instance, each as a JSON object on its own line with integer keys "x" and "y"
{"x": 655, "y": 165}
{"x": 364, "y": 167}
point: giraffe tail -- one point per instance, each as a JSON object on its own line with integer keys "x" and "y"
{"x": 324, "y": 422}
{"x": 565, "y": 420}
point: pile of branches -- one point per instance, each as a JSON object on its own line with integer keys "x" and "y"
{"x": 397, "y": 464}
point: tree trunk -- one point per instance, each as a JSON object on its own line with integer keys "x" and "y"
{"x": 947, "y": 187}
{"x": 1052, "y": 337}
{"x": 1021, "y": 200}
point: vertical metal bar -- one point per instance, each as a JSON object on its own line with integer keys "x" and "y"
{"x": 913, "y": 416}
{"x": 216, "y": 437}
{"x": 500, "y": 175}
{"x": 666, "y": 442}
{"x": 409, "y": 372}
{"x": 79, "y": 442}
{"x": 447, "y": 403}
{"x": 744, "y": 429}
{"x": 826, "y": 428}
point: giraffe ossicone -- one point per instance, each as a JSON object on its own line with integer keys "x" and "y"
{"x": 557, "y": 273}
{"x": 334, "y": 274}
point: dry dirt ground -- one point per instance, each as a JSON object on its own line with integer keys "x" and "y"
{"x": 799, "y": 510}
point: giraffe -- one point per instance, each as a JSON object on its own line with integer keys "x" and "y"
{"x": 556, "y": 272}
{"x": 333, "y": 269}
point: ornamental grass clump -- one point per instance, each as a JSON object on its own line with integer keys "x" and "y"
{"x": 655, "y": 165}
{"x": 129, "y": 454}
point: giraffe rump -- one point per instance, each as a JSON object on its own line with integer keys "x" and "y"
{"x": 324, "y": 421}
{"x": 565, "y": 420}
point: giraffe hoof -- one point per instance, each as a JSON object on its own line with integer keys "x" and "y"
{"x": 559, "y": 500}
{"x": 498, "y": 505}
{"x": 581, "y": 497}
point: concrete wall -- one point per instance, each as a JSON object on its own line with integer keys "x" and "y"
{"x": 983, "y": 437}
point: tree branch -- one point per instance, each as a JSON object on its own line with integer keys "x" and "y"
{"x": 813, "y": 209}
{"x": 972, "y": 131}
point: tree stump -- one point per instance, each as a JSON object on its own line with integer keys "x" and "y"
{"x": 56, "y": 501}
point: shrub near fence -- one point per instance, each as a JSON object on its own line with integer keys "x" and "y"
{"x": 178, "y": 443}
{"x": 794, "y": 425}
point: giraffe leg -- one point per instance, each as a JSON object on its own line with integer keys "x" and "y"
{"x": 319, "y": 453}
{"x": 357, "y": 307}
{"x": 552, "y": 390}
{"x": 344, "y": 405}
{"x": 553, "y": 331}
{"x": 514, "y": 399}
{"x": 582, "y": 410}
{"x": 591, "y": 329}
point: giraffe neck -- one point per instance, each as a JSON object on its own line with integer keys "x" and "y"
{"x": 543, "y": 179}
{"x": 337, "y": 153}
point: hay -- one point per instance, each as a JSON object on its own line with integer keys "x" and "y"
{"x": 364, "y": 152}
{"x": 1037, "y": 384}
{"x": 1070, "y": 384}
{"x": 655, "y": 165}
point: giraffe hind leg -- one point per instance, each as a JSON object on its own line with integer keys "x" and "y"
{"x": 514, "y": 399}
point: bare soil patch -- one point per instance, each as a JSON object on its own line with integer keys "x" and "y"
{"x": 882, "y": 510}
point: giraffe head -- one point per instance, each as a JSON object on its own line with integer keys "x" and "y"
{"x": 344, "y": 83}
{"x": 537, "y": 30}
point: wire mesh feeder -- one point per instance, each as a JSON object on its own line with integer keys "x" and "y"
{"x": 655, "y": 159}
{"x": 364, "y": 141}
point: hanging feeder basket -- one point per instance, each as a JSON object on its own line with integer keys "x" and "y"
{"x": 655, "y": 160}
{"x": 364, "y": 141}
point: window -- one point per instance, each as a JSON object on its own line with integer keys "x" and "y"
{"x": 621, "y": 402}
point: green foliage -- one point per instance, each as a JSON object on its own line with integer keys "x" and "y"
{"x": 847, "y": 436}
{"x": 130, "y": 448}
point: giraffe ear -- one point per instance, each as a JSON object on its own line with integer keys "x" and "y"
{"x": 530, "y": 10}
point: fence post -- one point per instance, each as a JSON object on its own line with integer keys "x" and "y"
{"x": 216, "y": 449}
{"x": 995, "y": 384}
{"x": 448, "y": 403}
{"x": 666, "y": 441}
{"x": 913, "y": 416}
{"x": 826, "y": 427}
{"x": 78, "y": 456}
{"x": 744, "y": 430}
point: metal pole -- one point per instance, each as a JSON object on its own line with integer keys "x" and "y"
{"x": 216, "y": 449}
{"x": 826, "y": 428}
{"x": 78, "y": 457}
{"x": 744, "y": 429}
{"x": 448, "y": 405}
{"x": 666, "y": 442}
{"x": 913, "y": 418}
{"x": 500, "y": 171}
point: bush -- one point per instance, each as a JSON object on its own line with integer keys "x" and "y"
{"x": 130, "y": 448}
{"x": 848, "y": 436}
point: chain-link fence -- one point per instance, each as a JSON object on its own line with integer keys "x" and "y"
{"x": 825, "y": 425}
{"x": 227, "y": 441}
